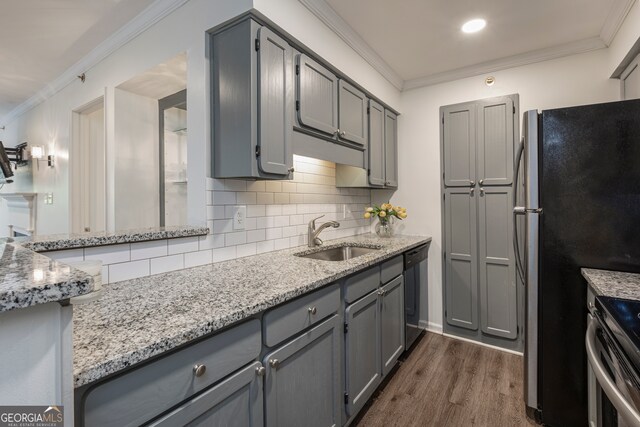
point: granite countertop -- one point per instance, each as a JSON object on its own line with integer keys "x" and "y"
{"x": 28, "y": 278}
{"x": 615, "y": 284}
{"x": 141, "y": 318}
{"x": 57, "y": 242}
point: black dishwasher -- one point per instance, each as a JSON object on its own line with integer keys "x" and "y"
{"x": 415, "y": 287}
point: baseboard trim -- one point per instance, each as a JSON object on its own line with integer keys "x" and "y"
{"x": 495, "y": 347}
{"x": 430, "y": 326}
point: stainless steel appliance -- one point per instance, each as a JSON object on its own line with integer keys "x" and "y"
{"x": 580, "y": 176}
{"x": 614, "y": 389}
{"x": 415, "y": 287}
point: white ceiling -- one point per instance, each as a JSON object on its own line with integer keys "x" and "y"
{"x": 160, "y": 81}
{"x": 421, "y": 38}
{"x": 40, "y": 39}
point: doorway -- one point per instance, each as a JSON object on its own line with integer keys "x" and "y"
{"x": 87, "y": 169}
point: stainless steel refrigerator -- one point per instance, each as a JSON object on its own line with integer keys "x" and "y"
{"x": 579, "y": 206}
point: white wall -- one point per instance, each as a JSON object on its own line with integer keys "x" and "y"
{"x": 137, "y": 145}
{"x": 574, "y": 80}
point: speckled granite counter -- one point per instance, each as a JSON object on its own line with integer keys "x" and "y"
{"x": 141, "y": 318}
{"x": 83, "y": 240}
{"x": 28, "y": 278}
{"x": 616, "y": 284}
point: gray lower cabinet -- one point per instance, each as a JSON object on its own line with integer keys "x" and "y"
{"x": 363, "y": 363}
{"x": 461, "y": 258}
{"x": 302, "y": 385}
{"x": 316, "y": 96}
{"x": 497, "y": 268}
{"x": 236, "y": 401}
{"x": 253, "y": 101}
{"x": 392, "y": 323}
{"x": 352, "y": 113}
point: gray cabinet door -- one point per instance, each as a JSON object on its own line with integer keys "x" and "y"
{"x": 302, "y": 385}
{"x": 459, "y": 155}
{"x": 352, "y": 113}
{"x": 390, "y": 149}
{"x": 498, "y": 303}
{"x": 317, "y": 96}
{"x": 376, "y": 143}
{"x": 392, "y": 323}
{"x": 236, "y": 401}
{"x": 275, "y": 100}
{"x": 495, "y": 141}
{"x": 362, "y": 351}
{"x": 461, "y": 257}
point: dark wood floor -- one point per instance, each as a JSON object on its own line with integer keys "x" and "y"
{"x": 448, "y": 382}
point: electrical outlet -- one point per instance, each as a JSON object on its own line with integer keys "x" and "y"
{"x": 239, "y": 218}
{"x": 346, "y": 212}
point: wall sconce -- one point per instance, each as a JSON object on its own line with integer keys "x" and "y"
{"x": 37, "y": 154}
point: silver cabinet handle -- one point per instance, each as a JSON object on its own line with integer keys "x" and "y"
{"x": 481, "y": 182}
{"x": 625, "y": 409}
{"x": 471, "y": 192}
{"x": 260, "y": 371}
{"x": 481, "y": 191}
{"x": 274, "y": 363}
{"x": 381, "y": 292}
{"x": 337, "y": 132}
{"x": 343, "y": 134}
{"x": 472, "y": 183}
{"x": 312, "y": 310}
{"x": 199, "y": 370}
{"x": 291, "y": 170}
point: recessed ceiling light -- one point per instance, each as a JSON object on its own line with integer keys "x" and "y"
{"x": 474, "y": 25}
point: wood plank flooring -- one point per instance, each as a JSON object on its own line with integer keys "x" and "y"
{"x": 448, "y": 382}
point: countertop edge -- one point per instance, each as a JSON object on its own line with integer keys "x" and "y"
{"x": 117, "y": 365}
{"x": 611, "y": 283}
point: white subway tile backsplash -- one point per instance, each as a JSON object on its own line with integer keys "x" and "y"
{"x": 273, "y": 186}
{"x": 109, "y": 254}
{"x": 289, "y": 231}
{"x": 224, "y": 254}
{"x": 152, "y": 249}
{"x": 289, "y": 187}
{"x": 281, "y": 244}
{"x": 273, "y": 210}
{"x": 246, "y": 250}
{"x": 246, "y": 198}
{"x": 68, "y": 255}
{"x": 265, "y": 222}
{"x": 255, "y": 210}
{"x": 128, "y": 270}
{"x": 237, "y": 238}
{"x": 211, "y": 241}
{"x": 256, "y": 235}
{"x": 264, "y": 198}
{"x": 194, "y": 259}
{"x": 289, "y": 209}
{"x": 258, "y": 186}
{"x": 281, "y": 198}
{"x": 266, "y": 246}
{"x": 223, "y": 226}
{"x": 250, "y": 223}
{"x": 273, "y": 233}
{"x": 281, "y": 220}
{"x": 167, "y": 263}
{"x": 183, "y": 244}
{"x": 224, "y": 198}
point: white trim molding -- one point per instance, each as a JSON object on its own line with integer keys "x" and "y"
{"x": 323, "y": 11}
{"x": 145, "y": 19}
{"x": 495, "y": 347}
{"x": 527, "y": 58}
{"x": 615, "y": 18}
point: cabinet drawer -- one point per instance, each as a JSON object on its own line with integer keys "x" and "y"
{"x": 391, "y": 269}
{"x": 362, "y": 283}
{"x": 141, "y": 394}
{"x": 287, "y": 320}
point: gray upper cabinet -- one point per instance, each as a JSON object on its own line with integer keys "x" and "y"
{"x": 459, "y": 132}
{"x": 362, "y": 351}
{"x": 497, "y": 270}
{"x": 236, "y": 401}
{"x": 390, "y": 148}
{"x": 302, "y": 382}
{"x": 275, "y": 92}
{"x": 253, "y": 98}
{"x": 495, "y": 141}
{"x": 461, "y": 270}
{"x": 376, "y": 144}
{"x": 392, "y": 321}
{"x": 352, "y": 112}
{"x": 317, "y": 96}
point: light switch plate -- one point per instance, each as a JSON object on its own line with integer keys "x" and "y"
{"x": 239, "y": 218}
{"x": 48, "y": 198}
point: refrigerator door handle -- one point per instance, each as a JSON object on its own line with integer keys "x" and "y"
{"x": 518, "y": 210}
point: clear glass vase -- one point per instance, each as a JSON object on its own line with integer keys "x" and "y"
{"x": 384, "y": 227}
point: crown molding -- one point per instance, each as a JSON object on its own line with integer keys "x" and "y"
{"x": 145, "y": 19}
{"x": 614, "y": 20}
{"x": 326, "y": 14}
{"x": 580, "y": 46}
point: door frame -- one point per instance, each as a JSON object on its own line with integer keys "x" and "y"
{"x": 476, "y": 335}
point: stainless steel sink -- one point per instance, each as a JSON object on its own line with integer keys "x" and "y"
{"x": 340, "y": 253}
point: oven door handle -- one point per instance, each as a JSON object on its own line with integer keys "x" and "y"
{"x": 625, "y": 410}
